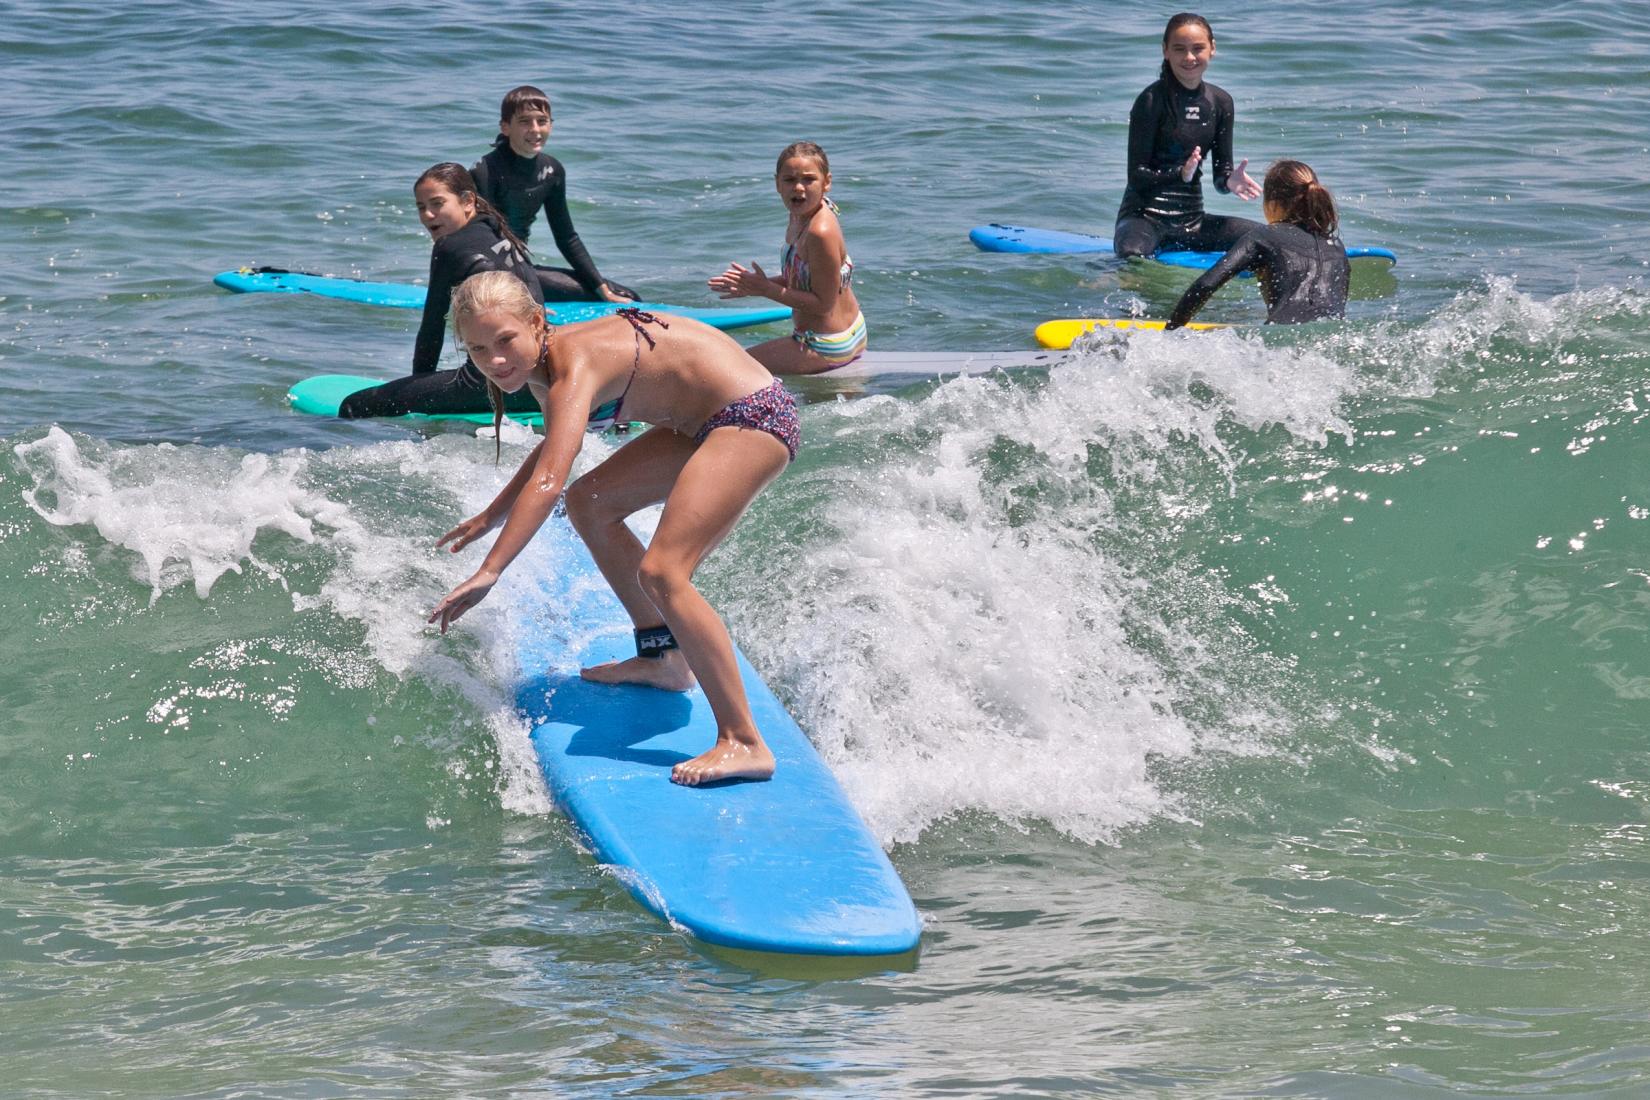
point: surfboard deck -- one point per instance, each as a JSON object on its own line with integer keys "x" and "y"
{"x": 997, "y": 237}
{"x": 938, "y": 364}
{"x": 407, "y": 296}
{"x": 1062, "y": 333}
{"x": 321, "y": 394}
{"x": 784, "y": 866}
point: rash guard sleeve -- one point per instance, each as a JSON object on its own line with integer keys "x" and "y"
{"x": 567, "y": 238}
{"x": 1144, "y": 119}
{"x": 449, "y": 266}
{"x": 1225, "y": 117}
{"x": 1240, "y": 257}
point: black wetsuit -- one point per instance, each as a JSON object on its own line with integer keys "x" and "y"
{"x": 519, "y": 187}
{"x": 1159, "y": 209}
{"x": 473, "y": 248}
{"x": 1303, "y": 277}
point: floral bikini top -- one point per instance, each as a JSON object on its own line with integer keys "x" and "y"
{"x": 795, "y": 269}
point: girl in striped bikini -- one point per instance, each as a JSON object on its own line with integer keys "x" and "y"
{"x": 816, "y": 274}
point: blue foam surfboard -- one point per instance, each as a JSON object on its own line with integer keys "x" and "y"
{"x": 408, "y": 296}
{"x": 1018, "y": 238}
{"x": 783, "y": 866}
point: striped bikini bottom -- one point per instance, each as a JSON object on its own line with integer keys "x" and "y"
{"x": 836, "y": 348}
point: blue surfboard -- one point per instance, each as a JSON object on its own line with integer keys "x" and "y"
{"x": 267, "y": 280}
{"x": 1018, "y": 238}
{"x": 784, "y": 866}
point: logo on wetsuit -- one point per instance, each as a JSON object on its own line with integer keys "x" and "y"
{"x": 545, "y": 172}
{"x": 1194, "y": 112}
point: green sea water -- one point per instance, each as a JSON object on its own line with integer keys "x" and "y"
{"x": 1253, "y": 713}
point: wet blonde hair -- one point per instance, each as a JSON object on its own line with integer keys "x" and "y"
{"x": 494, "y": 292}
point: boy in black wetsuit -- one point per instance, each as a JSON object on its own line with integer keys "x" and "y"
{"x": 519, "y": 178}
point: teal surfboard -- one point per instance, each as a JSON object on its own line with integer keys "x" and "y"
{"x": 1018, "y": 238}
{"x": 784, "y": 866}
{"x": 321, "y": 395}
{"x": 267, "y": 280}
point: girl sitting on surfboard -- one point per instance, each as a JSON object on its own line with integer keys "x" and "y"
{"x": 1297, "y": 258}
{"x": 815, "y": 273}
{"x": 724, "y": 429}
{"x": 1176, "y": 124}
{"x": 469, "y": 236}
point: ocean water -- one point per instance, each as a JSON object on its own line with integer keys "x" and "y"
{"x": 1252, "y": 713}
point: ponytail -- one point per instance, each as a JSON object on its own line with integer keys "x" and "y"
{"x": 1295, "y": 190}
{"x": 502, "y": 224}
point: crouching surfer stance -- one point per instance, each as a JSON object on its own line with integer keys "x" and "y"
{"x": 722, "y": 430}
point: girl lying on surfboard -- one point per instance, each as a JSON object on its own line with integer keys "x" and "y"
{"x": 1179, "y": 122}
{"x": 469, "y": 236}
{"x": 815, "y": 273}
{"x": 723, "y": 430}
{"x": 1298, "y": 260}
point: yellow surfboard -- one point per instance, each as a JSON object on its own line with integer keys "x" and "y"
{"x": 1060, "y": 334}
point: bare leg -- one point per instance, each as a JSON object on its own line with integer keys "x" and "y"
{"x": 712, "y": 491}
{"x": 639, "y": 474}
{"x": 705, "y": 489}
{"x": 786, "y": 356}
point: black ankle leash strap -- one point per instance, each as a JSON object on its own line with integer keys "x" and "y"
{"x": 654, "y": 641}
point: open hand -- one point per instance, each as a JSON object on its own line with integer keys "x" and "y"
{"x": 466, "y": 533}
{"x": 741, "y": 282}
{"x": 1241, "y": 183}
{"x": 1189, "y": 169}
{"x": 453, "y": 606}
{"x": 613, "y": 295}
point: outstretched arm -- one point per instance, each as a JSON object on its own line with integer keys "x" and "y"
{"x": 567, "y": 238}
{"x": 494, "y": 514}
{"x": 532, "y": 495}
{"x": 1237, "y": 259}
{"x": 432, "y": 328}
{"x": 1229, "y": 180}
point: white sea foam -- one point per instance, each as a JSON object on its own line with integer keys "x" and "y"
{"x": 972, "y": 622}
{"x": 190, "y": 515}
{"x": 987, "y": 614}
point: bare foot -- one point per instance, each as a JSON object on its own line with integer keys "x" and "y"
{"x": 727, "y": 759}
{"x": 667, "y": 673}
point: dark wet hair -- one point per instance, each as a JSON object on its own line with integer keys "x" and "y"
{"x": 457, "y": 179}
{"x": 1294, "y": 188}
{"x": 523, "y": 98}
{"x": 1175, "y": 23}
{"x": 802, "y": 149}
